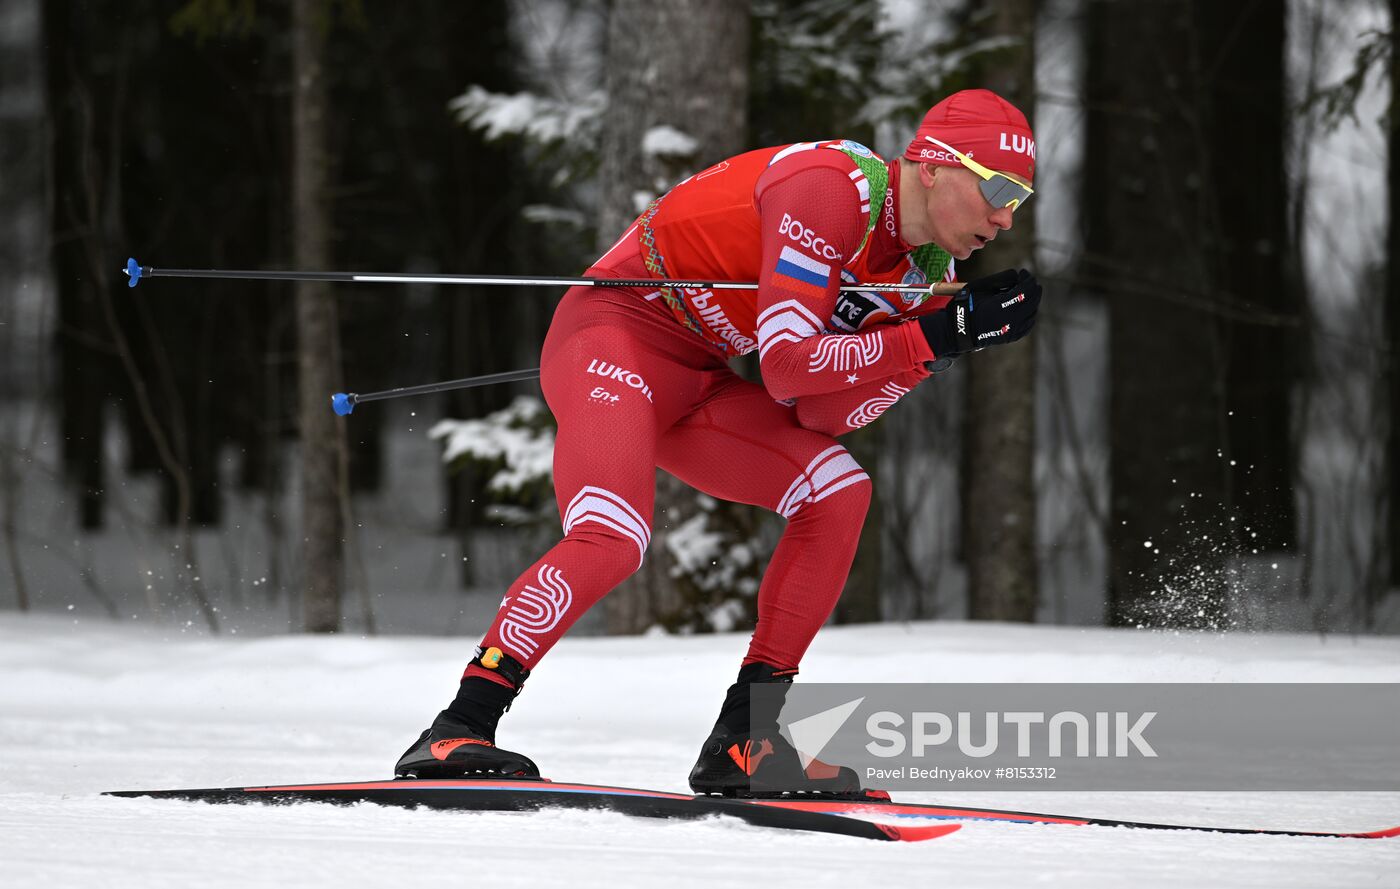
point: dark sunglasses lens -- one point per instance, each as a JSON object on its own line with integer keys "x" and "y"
{"x": 1001, "y": 191}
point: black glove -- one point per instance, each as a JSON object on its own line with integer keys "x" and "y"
{"x": 990, "y": 311}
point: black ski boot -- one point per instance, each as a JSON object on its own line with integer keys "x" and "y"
{"x": 461, "y": 742}
{"x": 740, "y": 759}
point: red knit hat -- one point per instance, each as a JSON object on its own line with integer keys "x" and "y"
{"x": 983, "y": 126}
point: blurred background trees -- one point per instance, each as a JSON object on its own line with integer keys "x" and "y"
{"x": 1199, "y": 434}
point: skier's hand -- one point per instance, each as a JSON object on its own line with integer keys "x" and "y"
{"x": 990, "y": 311}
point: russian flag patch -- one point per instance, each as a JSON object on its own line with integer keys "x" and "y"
{"x": 801, "y": 273}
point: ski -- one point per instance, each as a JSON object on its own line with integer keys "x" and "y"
{"x": 483, "y": 795}
{"x": 912, "y": 811}
{"x": 874, "y": 818}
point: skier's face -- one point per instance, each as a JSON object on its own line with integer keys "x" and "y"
{"x": 951, "y": 211}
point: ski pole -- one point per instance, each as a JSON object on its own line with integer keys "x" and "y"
{"x": 344, "y": 402}
{"x": 135, "y": 272}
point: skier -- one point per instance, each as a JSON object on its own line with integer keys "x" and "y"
{"x": 637, "y": 378}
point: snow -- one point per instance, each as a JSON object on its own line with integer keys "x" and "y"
{"x": 513, "y": 435}
{"x": 663, "y": 140}
{"x": 548, "y": 214}
{"x": 538, "y": 118}
{"x": 88, "y": 705}
{"x": 693, "y": 545}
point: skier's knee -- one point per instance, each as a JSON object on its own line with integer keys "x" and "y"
{"x": 832, "y": 481}
{"x": 601, "y": 518}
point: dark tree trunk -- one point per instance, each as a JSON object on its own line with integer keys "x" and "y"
{"x": 76, "y": 127}
{"x": 318, "y": 340}
{"x": 999, "y": 436}
{"x": 1148, "y": 216}
{"x": 21, "y": 146}
{"x": 684, "y": 65}
{"x": 1242, "y": 51}
{"x": 1392, "y": 299}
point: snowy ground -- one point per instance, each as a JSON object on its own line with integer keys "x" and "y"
{"x": 92, "y": 706}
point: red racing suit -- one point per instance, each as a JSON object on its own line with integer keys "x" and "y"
{"x": 638, "y": 379}
{"x": 799, "y": 219}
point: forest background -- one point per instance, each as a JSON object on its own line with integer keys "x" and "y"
{"x": 1203, "y": 431}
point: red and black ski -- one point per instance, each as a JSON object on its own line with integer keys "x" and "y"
{"x": 872, "y": 819}
{"x": 483, "y": 795}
